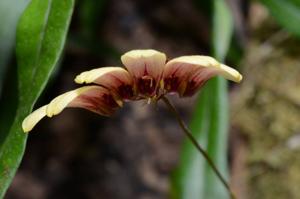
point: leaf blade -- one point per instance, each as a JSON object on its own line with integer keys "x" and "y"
{"x": 39, "y": 45}
{"x": 218, "y": 132}
{"x": 10, "y": 11}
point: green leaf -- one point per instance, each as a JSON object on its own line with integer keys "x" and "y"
{"x": 41, "y": 35}
{"x": 222, "y": 29}
{"x": 10, "y": 11}
{"x": 286, "y": 13}
{"x": 194, "y": 178}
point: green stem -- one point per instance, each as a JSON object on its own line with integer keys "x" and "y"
{"x": 197, "y": 145}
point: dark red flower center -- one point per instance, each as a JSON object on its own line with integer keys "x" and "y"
{"x": 146, "y": 85}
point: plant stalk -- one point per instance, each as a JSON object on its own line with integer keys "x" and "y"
{"x": 197, "y": 145}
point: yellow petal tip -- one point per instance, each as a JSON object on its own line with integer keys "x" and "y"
{"x": 230, "y": 73}
{"x": 59, "y": 103}
{"x": 239, "y": 78}
{"x": 139, "y": 53}
{"x": 32, "y": 119}
{"x": 78, "y": 79}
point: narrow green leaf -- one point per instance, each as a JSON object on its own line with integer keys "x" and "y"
{"x": 286, "y": 13}
{"x": 10, "y": 11}
{"x": 218, "y": 132}
{"x": 194, "y": 179}
{"x": 41, "y": 36}
{"x": 217, "y": 139}
{"x": 222, "y": 29}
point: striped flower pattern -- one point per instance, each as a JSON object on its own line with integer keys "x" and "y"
{"x": 147, "y": 75}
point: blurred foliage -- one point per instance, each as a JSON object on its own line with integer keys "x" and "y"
{"x": 286, "y": 12}
{"x": 91, "y": 19}
{"x": 89, "y": 14}
{"x": 194, "y": 178}
{"x": 267, "y": 112}
{"x": 40, "y": 40}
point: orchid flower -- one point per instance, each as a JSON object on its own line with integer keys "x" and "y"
{"x": 147, "y": 75}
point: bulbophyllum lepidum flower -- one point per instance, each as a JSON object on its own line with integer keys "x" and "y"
{"x": 146, "y": 75}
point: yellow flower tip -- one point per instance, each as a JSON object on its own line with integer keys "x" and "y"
{"x": 104, "y": 72}
{"x": 239, "y": 78}
{"x": 59, "y": 103}
{"x": 143, "y": 53}
{"x": 230, "y": 73}
{"x": 196, "y": 60}
{"x": 31, "y": 120}
{"x": 79, "y": 79}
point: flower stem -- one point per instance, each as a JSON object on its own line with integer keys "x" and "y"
{"x": 197, "y": 145}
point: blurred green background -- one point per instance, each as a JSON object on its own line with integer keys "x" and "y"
{"x": 251, "y": 130}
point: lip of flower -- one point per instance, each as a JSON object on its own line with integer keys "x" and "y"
{"x": 146, "y": 67}
{"x": 93, "y": 98}
{"x": 186, "y": 74}
{"x": 147, "y": 76}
